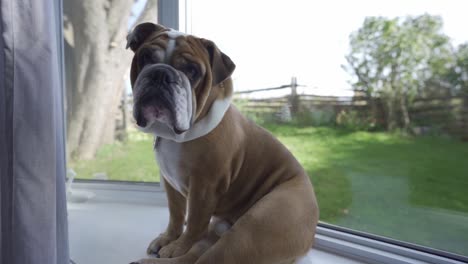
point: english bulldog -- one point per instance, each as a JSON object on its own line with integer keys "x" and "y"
{"x": 243, "y": 196}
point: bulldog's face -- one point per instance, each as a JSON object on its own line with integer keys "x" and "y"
{"x": 174, "y": 76}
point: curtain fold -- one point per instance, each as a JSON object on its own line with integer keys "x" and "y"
{"x": 32, "y": 162}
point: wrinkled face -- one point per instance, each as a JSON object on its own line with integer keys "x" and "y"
{"x": 164, "y": 89}
{"x": 172, "y": 75}
{"x": 168, "y": 74}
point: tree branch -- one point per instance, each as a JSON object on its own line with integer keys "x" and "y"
{"x": 358, "y": 74}
{"x": 149, "y": 13}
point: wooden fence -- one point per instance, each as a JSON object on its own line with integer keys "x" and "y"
{"x": 449, "y": 114}
{"x": 439, "y": 114}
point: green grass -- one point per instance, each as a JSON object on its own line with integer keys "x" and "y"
{"x": 129, "y": 161}
{"x": 436, "y": 168}
{"x": 413, "y": 189}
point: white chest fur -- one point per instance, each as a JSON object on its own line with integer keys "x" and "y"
{"x": 170, "y": 164}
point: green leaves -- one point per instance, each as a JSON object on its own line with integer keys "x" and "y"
{"x": 395, "y": 59}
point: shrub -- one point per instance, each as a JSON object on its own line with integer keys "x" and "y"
{"x": 353, "y": 121}
{"x": 315, "y": 117}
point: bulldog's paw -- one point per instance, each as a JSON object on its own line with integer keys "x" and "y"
{"x": 176, "y": 248}
{"x": 159, "y": 242}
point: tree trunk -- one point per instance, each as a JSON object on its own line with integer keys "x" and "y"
{"x": 404, "y": 112}
{"x": 465, "y": 118}
{"x": 123, "y": 126}
{"x": 391, "y": 120}
{"x": 374, "y": 110}
{"x": 108, "y": 132}
{"x": 96, "y": 61}
{"x": 388, "y": 99}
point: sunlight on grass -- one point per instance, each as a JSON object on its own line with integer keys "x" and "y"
{"x": 383, "y": 183}
{"x": 436, "y": 168}
{"x": 129, "y": 161}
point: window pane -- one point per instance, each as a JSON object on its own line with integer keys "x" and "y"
{"x": 379, "y": 119}
{"x": 102, "y": 142}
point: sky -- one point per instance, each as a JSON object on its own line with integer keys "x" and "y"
{"x": 271, "y": 40}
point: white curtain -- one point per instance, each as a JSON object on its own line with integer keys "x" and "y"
{"x": 32, "y": 165}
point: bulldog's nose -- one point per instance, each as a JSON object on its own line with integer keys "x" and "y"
{"x": 163, "y": 75}
{"x": 140, "y": 119}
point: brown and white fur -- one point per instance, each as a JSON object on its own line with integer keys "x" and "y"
{"x": 244, "y": 197}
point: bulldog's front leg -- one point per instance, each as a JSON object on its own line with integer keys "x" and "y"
{"x": 177, "y": 208}
{"x": 201, "y": 205}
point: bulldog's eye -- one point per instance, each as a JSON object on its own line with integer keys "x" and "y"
{"x": 191, "y": 71}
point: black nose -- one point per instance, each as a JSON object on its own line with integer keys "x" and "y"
{"x": 163, "y": 76}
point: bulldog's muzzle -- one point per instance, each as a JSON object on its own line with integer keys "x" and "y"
{"x": 162, "y": 95}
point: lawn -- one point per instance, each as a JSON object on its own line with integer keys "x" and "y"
{"x": 130, "y": 161}
{"x": 413, "y": 189}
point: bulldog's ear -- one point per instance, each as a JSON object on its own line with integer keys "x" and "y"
{"x": 140, "y": 33}
{"x": 221, "y": 65}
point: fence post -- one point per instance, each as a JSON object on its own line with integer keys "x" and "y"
{"x": 294, "y": 99}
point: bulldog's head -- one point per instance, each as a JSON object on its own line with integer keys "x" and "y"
{"x": 175, "y": 77}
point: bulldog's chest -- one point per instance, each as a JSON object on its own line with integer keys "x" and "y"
{"x": 171, "y": 165}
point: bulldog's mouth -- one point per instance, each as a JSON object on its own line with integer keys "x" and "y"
{"x": 151, "y": 114}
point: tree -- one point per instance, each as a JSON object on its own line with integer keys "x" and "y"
{"x": 459, "y": 74}
{"x": 392, "y": 59}
{"x": 96, "y": 62}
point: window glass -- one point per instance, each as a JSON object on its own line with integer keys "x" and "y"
{"x": 378, "y": 112}
{"x": 102, "y": 142}
{"x": 375, "y": 104}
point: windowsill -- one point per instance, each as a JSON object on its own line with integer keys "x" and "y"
{"x": 116, "y": 221}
